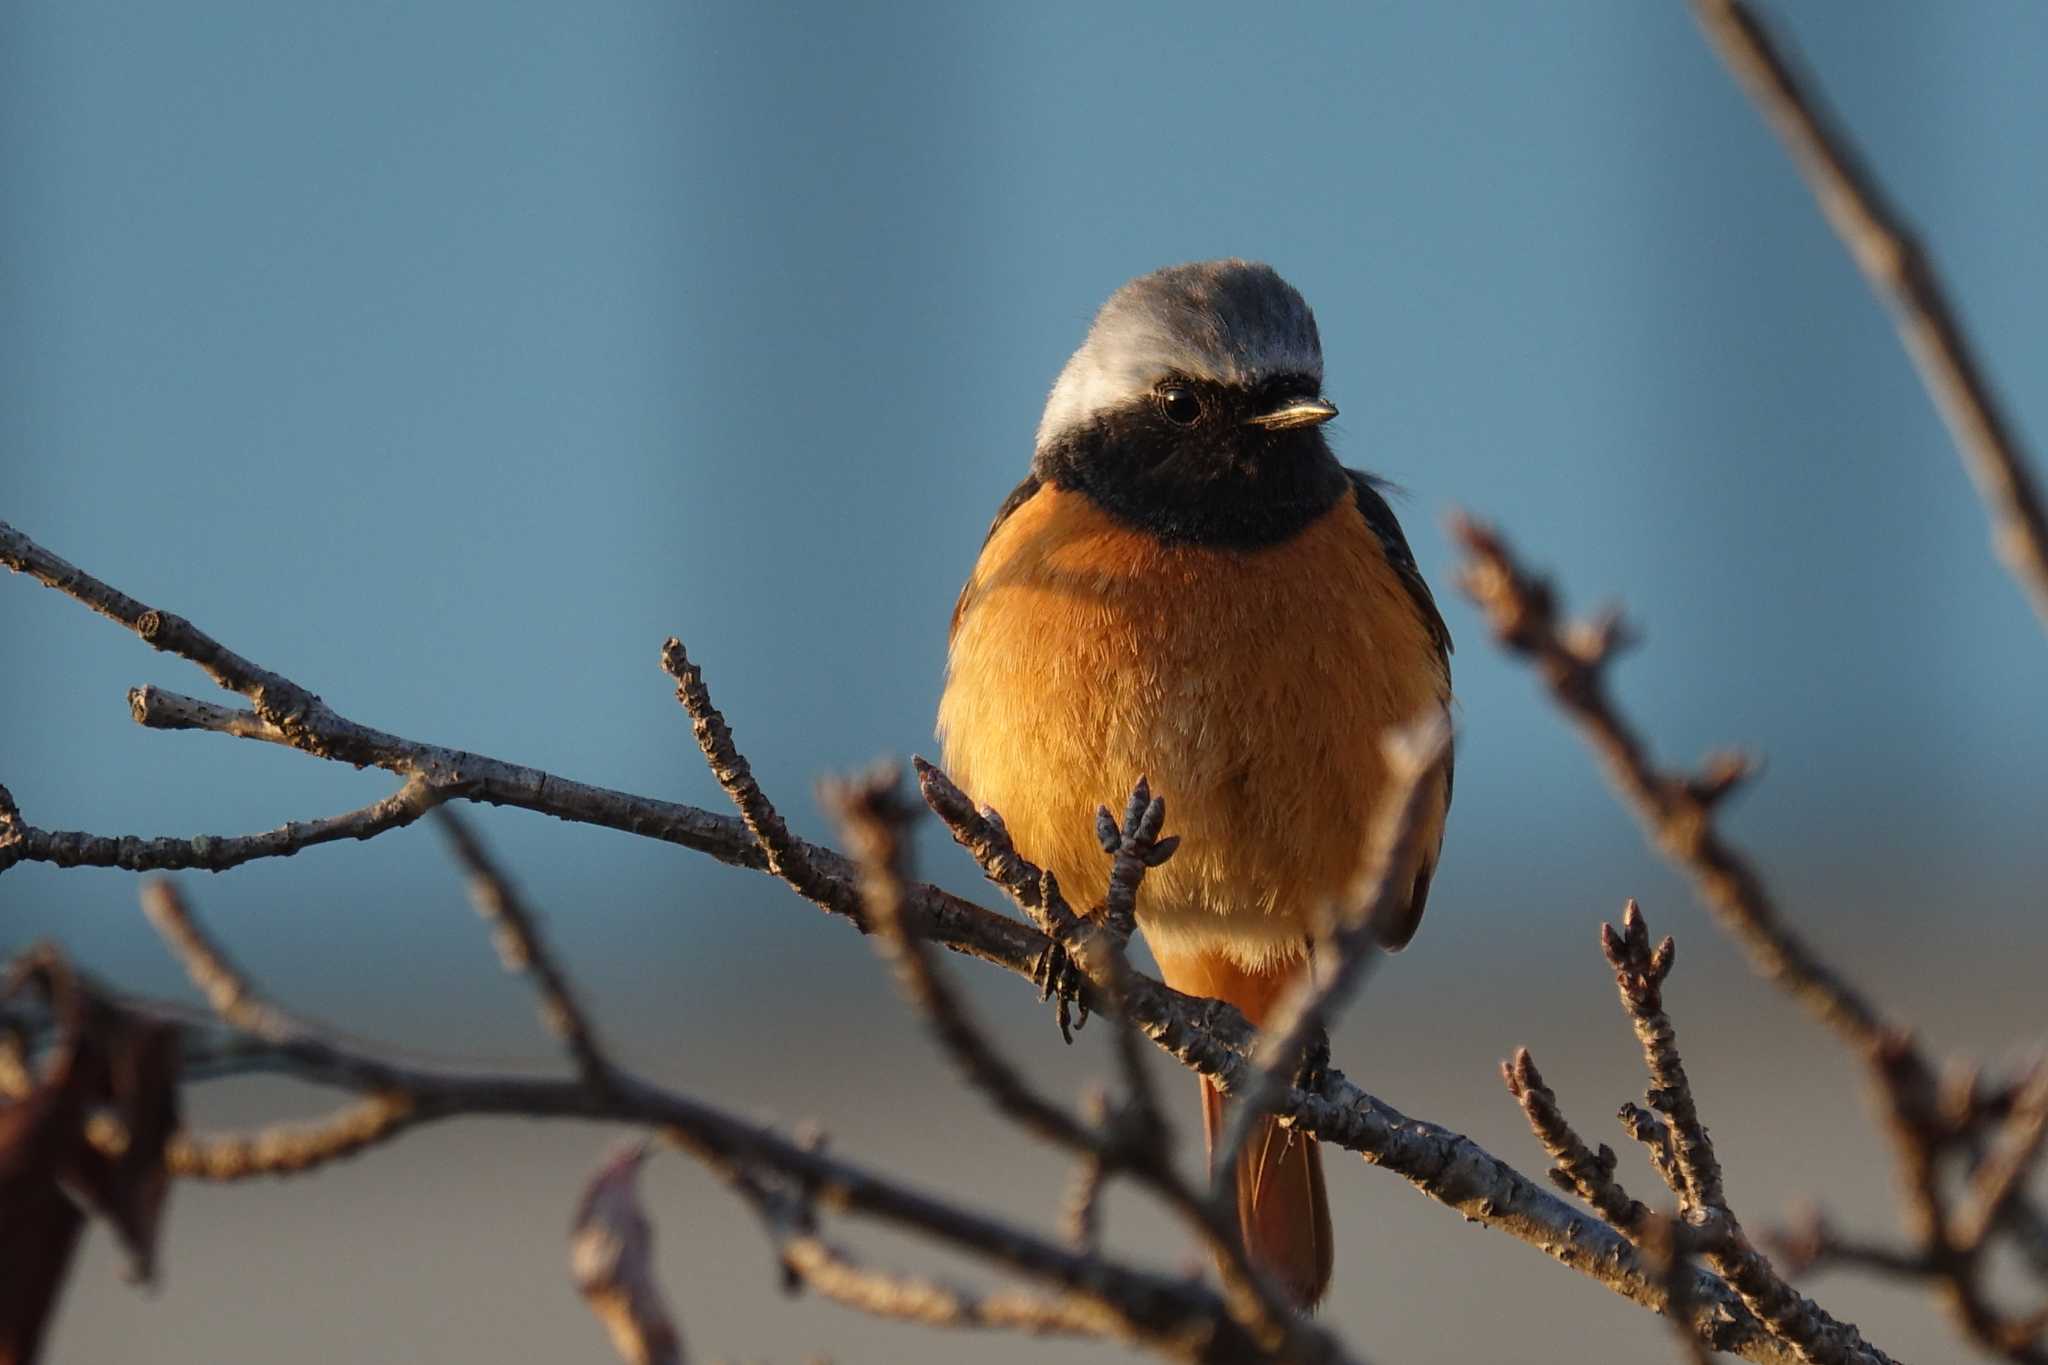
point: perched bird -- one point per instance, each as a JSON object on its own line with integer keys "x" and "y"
{"x": 1189, "y": 586}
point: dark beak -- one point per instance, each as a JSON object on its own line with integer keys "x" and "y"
{"x": 1295, "y": 412}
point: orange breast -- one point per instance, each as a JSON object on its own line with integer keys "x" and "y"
{"x": 1251, "y": 686}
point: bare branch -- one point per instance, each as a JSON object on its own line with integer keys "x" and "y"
{"x": 520, "y": 947}
{"x": 1303, "y": 1015}
{"x": 1679, "y": 813}
{"x": 279, "y": 701}
{"x": 2002, "y": 1176}
{"x": 1639, "y": 973}
{"x": 1206, "y": 1035}
{"x": 1664, "y": 1241}
{"x": 1891, "y": 258}
{"x": 290, "y": 1149}
{"x": 1676, "y": 810}
{"x": 982, "y": 833}
{"x": 827, "y": 1270}
{"x": 786, "y": 856}
{"x": 1809, "y": 1243}
{"x": 21, "y": 842}
{"x": 872, "y": 818}
{"x": 1134, "y": 848}
{"x": 228, "y": 992}
{"x": 1081, "y": 1209}
{"x": 811, "y": 1262}
{"x": 1655, "y": 1134}
{"x": 1584, "y": 1172}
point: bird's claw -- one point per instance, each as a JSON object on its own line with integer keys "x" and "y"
{"x": 1314, "y": 1072}
{"x": 1060, "y": 981}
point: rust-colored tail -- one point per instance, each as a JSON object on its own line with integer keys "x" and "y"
{"x": 1282, "y": 1209}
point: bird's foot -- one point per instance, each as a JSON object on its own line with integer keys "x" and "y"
{"x": 1134, "y": 846}
{"x": 1314, "y": 1072}
{"x": 1060, "y": 981}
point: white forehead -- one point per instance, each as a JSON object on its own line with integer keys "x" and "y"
{"x": 1231, "y": 322}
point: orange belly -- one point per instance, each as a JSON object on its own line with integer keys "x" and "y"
{"x": 1250, "y": 686}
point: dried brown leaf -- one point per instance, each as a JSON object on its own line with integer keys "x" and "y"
{"x": 611, "y": 1257}
{"x": 106, "y": 1065}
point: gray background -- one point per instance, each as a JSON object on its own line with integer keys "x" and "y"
{"x": 448, "y": 357}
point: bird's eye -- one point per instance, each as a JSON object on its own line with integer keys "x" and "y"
{"x": 1179, "y": 403}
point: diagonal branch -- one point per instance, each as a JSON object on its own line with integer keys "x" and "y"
{"x": 1890, "y": 256}
{"x": 1578, "y": 1168}
{"x": 1677, "y": 810}
{"x": 872, "y": 816}
{"x": 1303, "y": 1015}
{"x": 229, "y": 993}
{"x": 786, "y": 856}
{"x": 1679, "y": 813}
{"x": 517, "y": 934}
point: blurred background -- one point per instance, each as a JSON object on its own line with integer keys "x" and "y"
{"x": 446, "y": 358}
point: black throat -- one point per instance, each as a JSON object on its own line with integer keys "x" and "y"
{"x": 1218, "y": 483}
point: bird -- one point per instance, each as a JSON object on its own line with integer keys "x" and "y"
{"x": 1189, "y": 587}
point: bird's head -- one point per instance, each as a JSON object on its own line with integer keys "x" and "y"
{"x": 1194, "y": 408}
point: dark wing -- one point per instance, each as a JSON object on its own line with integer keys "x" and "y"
{"x": 1380, "y": 519}
{"x": 1019, "y": 495}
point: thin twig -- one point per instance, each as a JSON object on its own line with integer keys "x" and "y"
{"x": 1639, "y": 974}
{"x": 811, "y": 1262}
{"x": 21, "y": 842}
{"x": 229, "y": 993}
{"x": 871, "y": 816}
{"x": 1304, "y": 1013}
{"x": 1677, "y": 810}
{"x": 1578, "y": 1168}
{"x": 1134, "y": 847}
{"x": 1664, "y": 1240}
{"x": 1679, "y": 813}
{"x": 827, "y": 1270}
{"x": 516, "y": 932}
{"x": 1891, "y": 258}
{"x": 290, "y": 1149}
{"x": 786, "y": 856}
{"x": 1655, "y": 1134}
{"x": 2000, "y": 1178}
{"x": 1809, "y": 1243}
